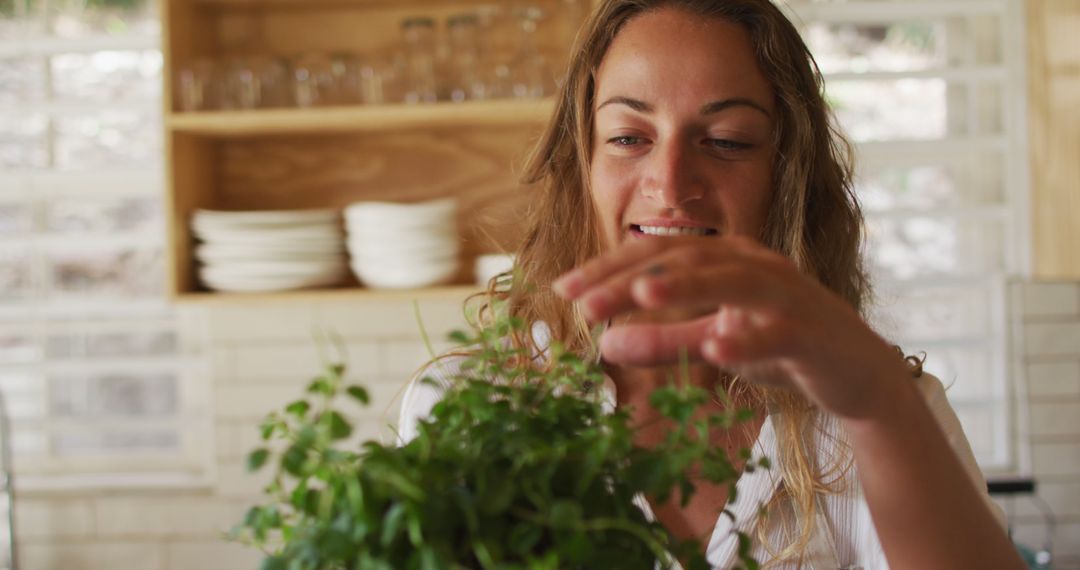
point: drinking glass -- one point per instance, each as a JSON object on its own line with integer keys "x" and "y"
{"x": 256, "y": 82}
{"x": 465, "y": 80}
{"x": 198, "y": 87}
{"x": 531, "y": 75}
{"x": 419, "y": 42}
{"x": 313, "y": 82}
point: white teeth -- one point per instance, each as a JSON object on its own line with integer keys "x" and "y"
{"x": 673, "y": 231}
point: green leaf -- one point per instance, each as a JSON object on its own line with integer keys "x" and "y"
{"x": 256, "y": 459}
{"x": 298, "y": 408}
{"x": 293, "y": 460}
{"x": 339, "y": 428}
{"x": 359, "y": 394}
{"x": 273, "y": 563}
{"x": 458, "y": 337}
{"x": 335, "y": 545}
{"x": 524, "y": 537}
{"x": 392, "y": 523}
{"x": 320, "y": 385}
{"x": 565, "y": 515}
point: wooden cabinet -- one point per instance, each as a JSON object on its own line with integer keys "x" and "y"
{"x": 1054, "y": 104}
{"x": 329, "y": 157}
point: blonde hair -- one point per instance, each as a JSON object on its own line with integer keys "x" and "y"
{"x": 814, "y": 218}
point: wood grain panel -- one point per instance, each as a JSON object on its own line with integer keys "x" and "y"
{"x": 479, "y": 168}
{"x": 1054, "y": 108}
{"x": 288, "y": 30}
{"x": 192, "y": 185}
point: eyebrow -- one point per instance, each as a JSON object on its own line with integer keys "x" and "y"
{"x": 707, "y": 109}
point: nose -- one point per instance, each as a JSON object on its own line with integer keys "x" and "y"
{"x": 671, "y": 179}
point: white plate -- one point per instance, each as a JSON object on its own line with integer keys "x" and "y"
{"x": 274, "y": 269}
{"x": 265, "y": 284}
{"x": 265, "y": 217}
{"x": 227, "y": 253}
{"x": 271, "y": 236}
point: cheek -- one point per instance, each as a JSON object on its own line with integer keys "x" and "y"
{"x": 611, "y": 190}
{"x": 747, "y": 206}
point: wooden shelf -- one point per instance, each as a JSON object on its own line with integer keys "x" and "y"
{"x": 398, "y": 117}
{"x": 445, "y": 292}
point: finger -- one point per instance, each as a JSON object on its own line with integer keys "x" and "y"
{"x": 641, "y": 255}
{"x": 655, "y": 344}
{"x": 738, "y": 282}
{"x": 690, "y": 285}
{"x": 746, "y": 345}
{"x": 616, "y": 294}
{"x": 572, "y": 284}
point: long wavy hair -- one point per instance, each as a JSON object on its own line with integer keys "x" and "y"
{"x": 814, "y": 217}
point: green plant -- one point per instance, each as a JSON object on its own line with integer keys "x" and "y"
{"x": 517, "y": 469}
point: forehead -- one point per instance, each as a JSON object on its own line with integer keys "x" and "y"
{"x": 671, "y": 52}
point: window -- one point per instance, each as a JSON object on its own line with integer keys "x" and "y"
{"x": 92, "y": 370}
{"x": 932, "y": 94}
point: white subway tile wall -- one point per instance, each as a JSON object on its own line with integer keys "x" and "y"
{"x": 1048, "y": 342}
{"x": 258, "y": 358}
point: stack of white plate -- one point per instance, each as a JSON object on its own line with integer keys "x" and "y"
{"x": 269, "y": 250}
{"x": 403, "y": 246}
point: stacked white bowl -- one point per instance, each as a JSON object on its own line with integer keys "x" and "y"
{"x": 271, "y": 250}
{"x": 403, "y": 246}
{"x": 492, "y": 265}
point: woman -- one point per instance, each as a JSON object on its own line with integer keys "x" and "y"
{"x": 695, "y": 196}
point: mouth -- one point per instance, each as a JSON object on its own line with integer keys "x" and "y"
{"x": 644, "y": 230}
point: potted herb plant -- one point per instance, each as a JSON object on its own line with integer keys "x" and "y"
{"x": 517, "y": 468}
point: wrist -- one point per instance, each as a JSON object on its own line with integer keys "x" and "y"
{"x": 893, "y": 403}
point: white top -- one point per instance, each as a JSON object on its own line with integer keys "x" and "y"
{"x": 850, "y": 531}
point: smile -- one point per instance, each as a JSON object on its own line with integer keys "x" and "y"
{"x": 672, "y": 230}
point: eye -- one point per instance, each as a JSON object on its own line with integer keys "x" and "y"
{"x": 625, "y": 140}
{"x": 727, "y": 145}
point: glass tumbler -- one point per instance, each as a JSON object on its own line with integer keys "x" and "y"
{"x": 256, "y": 82}
{"x": 198, "y": 86}
{"x": 418, "y": 35}
{"x": 313, "y": 82}
{"x": 531, "y": 75}
{"x": 465, "y": 81}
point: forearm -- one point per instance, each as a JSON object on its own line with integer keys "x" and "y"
{"x": 926, "y": 510}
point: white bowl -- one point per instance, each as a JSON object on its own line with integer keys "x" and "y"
{"x": 405, "y": 245}
{"x": 490, "y": 265}
{"x": 410, "y": 277}
{"x": 399, "y": 213}
{"x": 397, "y": 227}
{"x": 380, "y": 260}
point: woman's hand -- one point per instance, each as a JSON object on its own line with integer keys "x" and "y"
{"x": 762, "y": 318}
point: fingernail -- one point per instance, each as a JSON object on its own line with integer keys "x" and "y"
{"x": 710, "y": 349}
{"x": 595, "y": 303}
{"x": 568, "y": 284}
{"x": 721, "y": 327}
{"x": 646, "y": 288}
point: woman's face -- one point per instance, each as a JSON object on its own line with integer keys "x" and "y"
{"x": 683, "y": 131}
